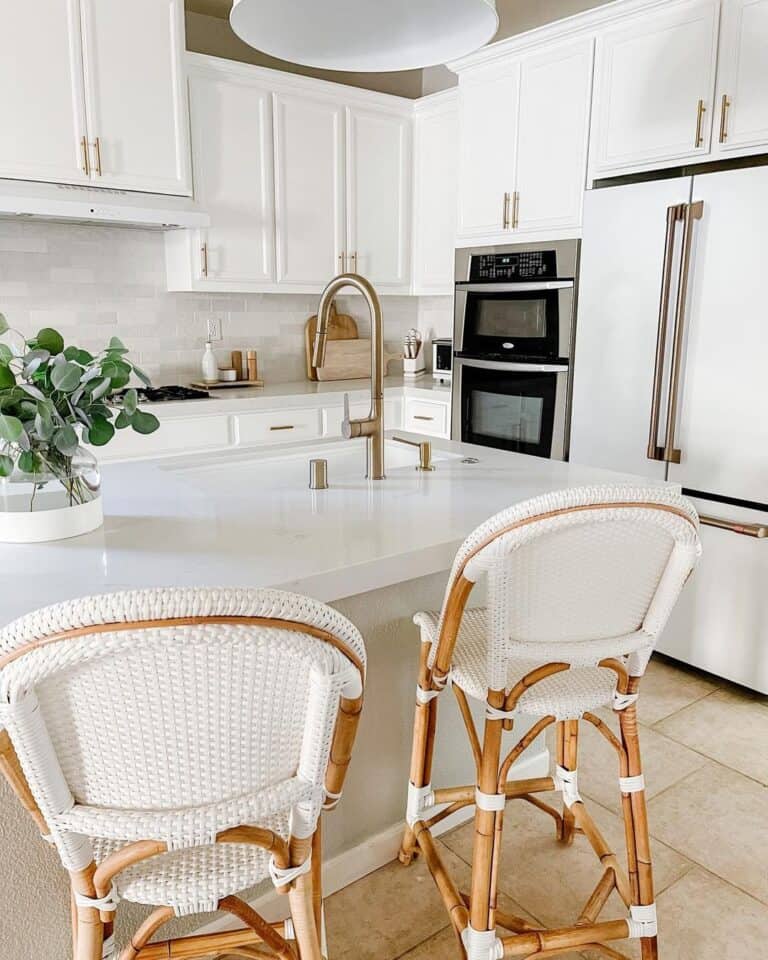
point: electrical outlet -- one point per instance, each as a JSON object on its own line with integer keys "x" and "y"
{"x": 213, "y": 324}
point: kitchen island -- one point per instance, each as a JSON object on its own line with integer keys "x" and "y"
{"x": 376, "y": 550}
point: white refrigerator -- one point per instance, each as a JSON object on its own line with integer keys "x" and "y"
{"x": 670, "y": 381}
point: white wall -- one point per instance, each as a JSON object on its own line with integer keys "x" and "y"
{"x": 93, "y": 282}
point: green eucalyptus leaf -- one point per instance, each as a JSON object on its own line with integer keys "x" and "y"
{"x": 120, "y": 380}
{"x": 44, "y": 427}
{"x": 6, "y": 463}
{"x": 66, "y": 377}
{"x": 32, "y": 391}
{"x": 101, "y": 388}
{"x": 30, "y": 462}
{"x": 144, "y": 422}
{"x": 65, "y": 440}
{"x": 101, "y": 432}
{"x": 50, "y": 339}
{"x": 142, "y": 376}
{"x": 130, "y": 402}
{"x": 122, "y": 420}
{"x": 6, "y": 354}
{"x": 11, "y": 428}
{"x": 116, "y": 345}
{"x": 3, "y": 324}
{"x": 7, "y": 377}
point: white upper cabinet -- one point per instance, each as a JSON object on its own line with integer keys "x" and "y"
{"x": 232, "y": 165}
{"x": 378, "y": 197}
{"x": 654, "y": 88}
{"x": 741, "y": 117}
{"x": 488, "y": 102}
{"x": 135, "y": 94}
{"x": 42, "y": 107}
{"x": 436, "y": 182}
{"x": 309, "y": 189}
{"x": 552, "y": 131}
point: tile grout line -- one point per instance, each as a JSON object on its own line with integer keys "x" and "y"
{"x": 401, "y": 956}
{"x": 691, "y": 703}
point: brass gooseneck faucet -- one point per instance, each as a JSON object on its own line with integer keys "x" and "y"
{"x": 372, "y": 426}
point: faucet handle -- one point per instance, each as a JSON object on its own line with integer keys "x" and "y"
{"x": 349, "y": 428}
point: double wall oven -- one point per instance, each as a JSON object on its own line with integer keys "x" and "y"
{"x": 513, "y": 335}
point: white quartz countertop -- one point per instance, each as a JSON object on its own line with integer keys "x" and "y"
{"x": 302, "y": 393}
{"x": 247, "y": 518}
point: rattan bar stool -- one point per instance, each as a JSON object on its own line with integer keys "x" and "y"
{"x": 579, "y": 585}
{"x": 178, "y": 746}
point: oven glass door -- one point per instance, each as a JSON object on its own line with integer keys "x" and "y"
{"x": 511, "y": 322}
{"x": 509, "y": 410}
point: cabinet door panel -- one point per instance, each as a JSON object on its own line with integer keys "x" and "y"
{"x": 743, "y": 76}
{"x": 42, "y": 112}
{"x": 435, "y": 188}
{"x": 552, "y": 137}
{"x": 135, "y": 93}
{"x": 232, "y": 158}
{"x": 651, "y": 74}
{"x": 378, "y": 196}
{"x": 309, "y": 194}
{"x": 488, "y": 134}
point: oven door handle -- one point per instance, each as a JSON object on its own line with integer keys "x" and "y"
{"x": 513, "y": 367}
{"x": 524, "y": 286}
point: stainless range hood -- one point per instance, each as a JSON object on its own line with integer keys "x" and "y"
{"x": 74, "y": 204}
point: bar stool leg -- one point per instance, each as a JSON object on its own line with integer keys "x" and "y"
{"x": 636, "y": 821}
{"x": 487, "y": 842}
{"x": 424, "y": 727}
{"x": 567, "y": 736}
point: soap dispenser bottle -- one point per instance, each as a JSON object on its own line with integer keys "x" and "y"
{"x": 209, "y": 364}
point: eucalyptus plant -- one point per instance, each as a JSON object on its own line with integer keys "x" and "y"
{"x": 54, "y": 397}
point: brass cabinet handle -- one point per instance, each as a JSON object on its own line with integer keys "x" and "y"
{"x": 86, "y": 158}
{"x": 505, "y": 215}
{"x": 342, "y": 262}
{"x": 419, "y": 416}
{"x": 700, "y": 111}
{"x": 204, "y": 259}
{"x": 724, "y": 104}
{"x": 353, "y": 258}
{"x": 515, "y": 209}
{"x": 674, "y": 213}
{"x": 757, "y": 530}
{"x": 97, "y": 150}
{"x": 284, "y": 426}
{"x": 692, "y": 211}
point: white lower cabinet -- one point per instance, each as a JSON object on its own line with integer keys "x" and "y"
{"x": 175, "y": 436}
{"x": 278, "y": 426}
{"x": 427, "y": 416}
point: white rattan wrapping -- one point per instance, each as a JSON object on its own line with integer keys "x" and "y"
{"x": 177, "y": 732}
{"x": 569, "y": 584}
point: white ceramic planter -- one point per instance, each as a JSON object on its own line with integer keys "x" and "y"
{"x": 19, "y": 524}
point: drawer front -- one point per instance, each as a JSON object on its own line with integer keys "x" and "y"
{"x": 426, "y": 416}
{"x": 333, "y": 416}
{"x": 278, "y": 426}
{"x": 182, "y": 435}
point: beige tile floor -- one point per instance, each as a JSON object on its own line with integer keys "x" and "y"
{"x": 706, "y": 763}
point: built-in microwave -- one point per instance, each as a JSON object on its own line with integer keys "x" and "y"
{"x": 513, "y": 333}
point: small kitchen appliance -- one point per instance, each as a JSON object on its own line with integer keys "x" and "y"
{"x": 442, "y": 360}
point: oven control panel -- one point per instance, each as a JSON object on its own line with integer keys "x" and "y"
{"x": 519, "y": 265}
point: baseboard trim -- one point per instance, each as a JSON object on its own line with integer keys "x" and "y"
{"x": 354, "y": 864}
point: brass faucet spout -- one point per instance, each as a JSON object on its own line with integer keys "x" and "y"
{"x": 372, "y": 426}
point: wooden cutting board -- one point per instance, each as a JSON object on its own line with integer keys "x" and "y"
{"x": 349, "y": 360}
{"x": 340, "y": 327}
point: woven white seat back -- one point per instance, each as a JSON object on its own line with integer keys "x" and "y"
{"x": 581, "y": 574}
{"x": 176, "y": 732}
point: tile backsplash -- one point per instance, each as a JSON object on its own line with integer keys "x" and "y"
{"x": 94, "y": 282}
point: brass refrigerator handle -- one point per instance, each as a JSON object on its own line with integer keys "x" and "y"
{"x": 757, "y": 530}
{"x": 674, "y": 213}
{"x": 700, "y": 111}
{"x": 724, "y": 104}
{"x": 515, "y": 209}
{"x": 86, "y": 157}
{"x": 692, "y": 211}
{"x": 97, "y": 149}
{"x": 204, "y": 259}
{"x": 505, "y": 215}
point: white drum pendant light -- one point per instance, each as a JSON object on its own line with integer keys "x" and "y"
{"x": 365, "y": 35}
